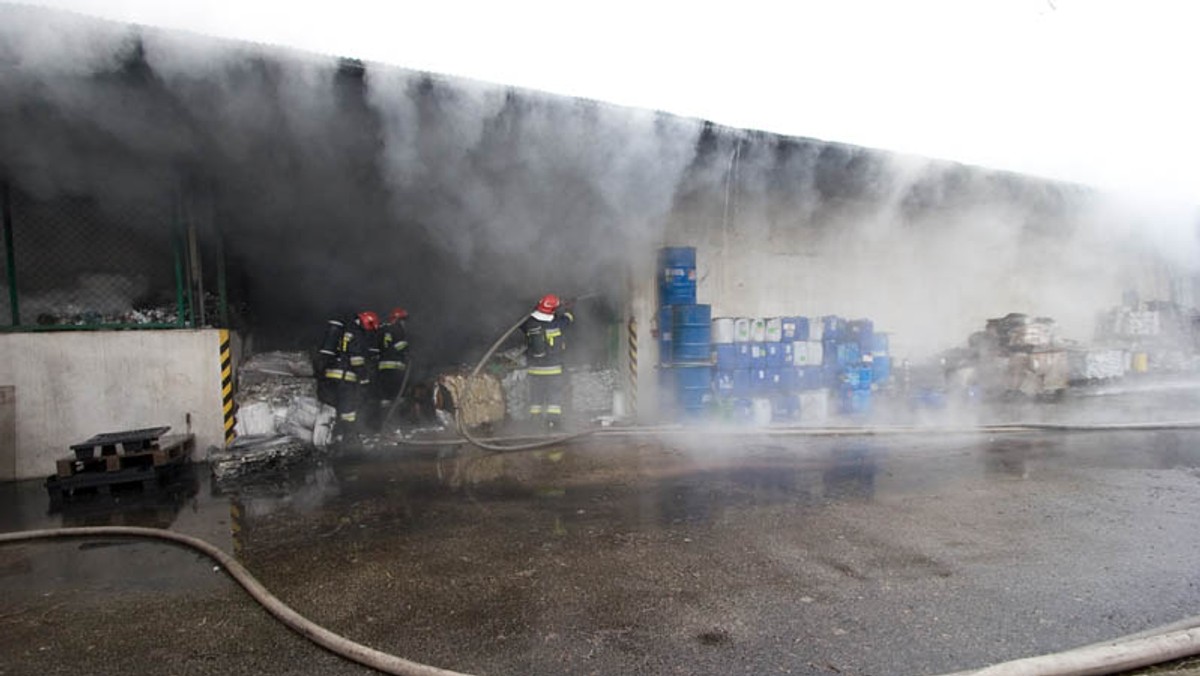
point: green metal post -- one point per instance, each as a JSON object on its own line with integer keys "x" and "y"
{"x": 10, "y": 258}
{"x": 178, "y": 256}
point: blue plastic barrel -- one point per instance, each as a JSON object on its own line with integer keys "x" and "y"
{"x": 790, "y": 379}
{"x": 725, "y": 356}
{"x": 723, "y": 384}
{"x": 775, "y": 354}
{"x": 834, "y": 328}
{"x": 743, "y": 355}
{"x": 774, "y": 378}
{"x": 857, "y": 377}
{"x": 758, "y": 355}
{"x": 741, "y": 383}
{"x": 789, "y": 354}
{"x": 691, "y": 329}
{"x": 760, "y": 380}
{"x": 664, "y": 335}
{"x": 693, "y": 389}
{"x": 848, "y": 354}
{"x": 677, "y": 275}
{"x": 861, "y": 332}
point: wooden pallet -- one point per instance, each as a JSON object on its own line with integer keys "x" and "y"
{"x": 169, "y": 450}
{"x": 148, "y": 469}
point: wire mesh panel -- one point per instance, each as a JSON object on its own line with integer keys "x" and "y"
{"x": 87, "y": 263}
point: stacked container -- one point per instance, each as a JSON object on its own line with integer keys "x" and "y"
{"x": 685, "y": 334}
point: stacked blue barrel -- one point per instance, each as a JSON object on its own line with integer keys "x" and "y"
{"x": 685, "y": 334}
{"x": 856, "y": 361}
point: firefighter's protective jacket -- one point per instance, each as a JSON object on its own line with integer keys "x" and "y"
{"x": 393, "y": 347}
{"x": 344, "y": 351}
{"x": 545, "y": 343}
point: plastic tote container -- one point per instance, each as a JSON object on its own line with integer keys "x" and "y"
{"x": 773, "y": 329}
{"x": 725, "y": 356}
{"x": 758, "y": 330}
{"x": 664, "y": 335}
{"x": 691, "y": 334}
{"x": 741, "y": 329}
{"x": 743, "y": 355}
{"x": 758, "y": 355}
{"x": 795, "y": 328}
{"x": 833, "y": 328}
{"x": 693, "y": 389}
{"x": 677, "y": 275}
{"x": 723, "y": 330}
{"x": 775, "y": 354}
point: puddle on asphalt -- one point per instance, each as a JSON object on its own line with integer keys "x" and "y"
{"x": 640, "y": 485}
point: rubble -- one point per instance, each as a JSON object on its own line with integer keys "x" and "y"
{"x": 589, "y": 392}
{"x": 259, "y": 453}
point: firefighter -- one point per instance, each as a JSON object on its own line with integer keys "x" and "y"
{"x": 345, "y": 370}
{"x": 393, "y": 359}
{"x": 545, "y": 346}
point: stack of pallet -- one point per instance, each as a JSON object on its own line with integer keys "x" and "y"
{"x": 141, "y": 457}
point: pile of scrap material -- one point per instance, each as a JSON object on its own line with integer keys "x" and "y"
{"x": 1013, "y": 355}
{"x": 1159, "y": 336}
{"x": 253, "y": 455}
{"x": 277, "y": 413}
{"x": 476, "y": 400}
{"x": 1097, "y": 365}
{"x": 588, "y": 392}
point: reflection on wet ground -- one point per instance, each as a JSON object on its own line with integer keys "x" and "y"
{"x": 715, "y": 554}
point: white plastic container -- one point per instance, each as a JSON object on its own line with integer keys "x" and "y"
{"x": 807, "y": 353}
{"x": 773, "y": 329}
{"x": 760, "y": 411}
{"x": 816, "y": 329}
{"x": 723, "y": 330}
{"x": 741, "y": 330}
{"x": 758, "y": 330}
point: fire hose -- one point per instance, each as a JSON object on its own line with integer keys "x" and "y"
{"x": 504, "y": 448}
{"x": 1175, "y": 641}
{"x": 1171, "y": 642}
{"x": 335, "y": 643}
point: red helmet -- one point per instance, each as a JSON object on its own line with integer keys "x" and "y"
{"x": 398, "y": 313}
{"x": 369, "y": 320}
{"x": 548, "y": 304}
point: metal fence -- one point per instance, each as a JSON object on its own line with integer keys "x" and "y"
{"x": 88, "y": 263}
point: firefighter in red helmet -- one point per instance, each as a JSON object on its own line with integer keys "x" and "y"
{"x": 344, "y": 368}
{"x": 393, "y": 357}
{"x": 545, "y": 346}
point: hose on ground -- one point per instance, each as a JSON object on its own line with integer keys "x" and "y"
{"x": 1175, "y": 641}
{"x": 506, "y": 448}
{"x": 335, "y": 643}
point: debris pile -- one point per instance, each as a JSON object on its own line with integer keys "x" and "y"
{"x": 1013, "y": 355}
{"x": 589, "y": 391}
{"x": 279, "y": 419}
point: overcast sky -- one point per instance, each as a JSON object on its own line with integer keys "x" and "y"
{"x": 1096, "y": 91}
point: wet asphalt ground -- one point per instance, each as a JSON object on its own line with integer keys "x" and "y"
{"x": 703, "y": 553}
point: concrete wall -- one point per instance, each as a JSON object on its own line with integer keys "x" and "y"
{"x": 929, "y": 279}
{"x": 71, "y": 385}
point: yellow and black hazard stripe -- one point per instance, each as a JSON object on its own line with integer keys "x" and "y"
{"x": 227, "y": 403}
{"x": 633, "y": 366}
